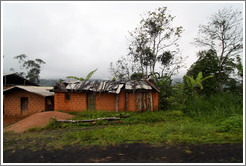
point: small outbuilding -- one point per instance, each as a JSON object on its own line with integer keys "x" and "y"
{"x": 116, "y": 96}
{"x": 12, "y": 79}
{"x": 22, "y": 100}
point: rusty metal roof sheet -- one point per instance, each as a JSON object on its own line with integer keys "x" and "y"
{"x": 104, "y": 86}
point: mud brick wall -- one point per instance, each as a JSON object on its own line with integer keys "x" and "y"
{"x": 155, "y": 98}
{"x": 76, "y": 101}
{"x": 12, "y": 103}
{"x": 122, "y": 101}
{"x": 132, "y": 102}
{"x": 104, "y": 101}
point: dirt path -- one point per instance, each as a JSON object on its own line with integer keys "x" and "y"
{"x": 131, "y": 153}
{"x": 37, "y": 120}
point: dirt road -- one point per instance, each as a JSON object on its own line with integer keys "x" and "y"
{"x": 131, "y": 153}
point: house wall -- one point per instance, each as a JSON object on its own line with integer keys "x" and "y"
{"x": 122, "y": 101}
{"x": 132, "y": 102}
{"x": 77, "y": 102}
{"x": 155, "y": 98}
{"x": 12, "y": 103}
{"x": 104, "y": 101}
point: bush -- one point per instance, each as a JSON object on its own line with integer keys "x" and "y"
{"x": 166, "y": 91}
{"x": 232, "y": 123}
{"x": 215, "y": 108}
{"x": 53, "y": 124}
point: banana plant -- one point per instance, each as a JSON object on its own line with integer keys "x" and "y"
{"x": 196, "y": 83}
{"x": 83, "y": 79}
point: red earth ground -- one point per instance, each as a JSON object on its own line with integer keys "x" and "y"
{"x": 37, "y": 120}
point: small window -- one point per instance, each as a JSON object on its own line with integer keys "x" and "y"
{"x": 67, "y": 96}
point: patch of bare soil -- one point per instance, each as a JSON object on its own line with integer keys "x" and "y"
{"x": 37, "y": 120}
{"x": 131, "y": 153}
{"x": 9, "y": 120}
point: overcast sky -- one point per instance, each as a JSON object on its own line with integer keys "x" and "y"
{"x": 74, "y": 38}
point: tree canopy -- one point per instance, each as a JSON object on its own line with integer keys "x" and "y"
{"x": 29, "y": 69}
{"x": 224, "y": 35}
{"x": 153, "y": 43}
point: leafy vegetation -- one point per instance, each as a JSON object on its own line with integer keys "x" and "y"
{"x": 214, "y": 119}
{"x": 153, "y": 43}
{"x": 207, "y": 63}
{"x": 196, "y": 84}
{"x": 224, "y": 35}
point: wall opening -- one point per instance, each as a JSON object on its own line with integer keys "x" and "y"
{"x": 24, "y": 104}
{"x": 67, "y": 96}
{"x": 49, "y": 103}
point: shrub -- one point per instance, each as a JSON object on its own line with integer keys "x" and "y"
{"x": 53, "y": 124}
{"x": 234, "y": 122}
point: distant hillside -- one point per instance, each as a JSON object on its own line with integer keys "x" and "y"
{"x": 178, "y": 79}
{"x": 48, "y": 82}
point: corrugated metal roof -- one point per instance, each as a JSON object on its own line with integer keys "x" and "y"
{"x": 42, "y": 91}
{"x": 104, "y": 86}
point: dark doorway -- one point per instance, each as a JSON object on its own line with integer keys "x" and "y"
{"x": 49, "y": 103}
{"x": 91, "y": 101}
{"x": 24, "y": 104}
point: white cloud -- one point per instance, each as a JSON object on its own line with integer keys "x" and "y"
{"x": 75, "y": 38}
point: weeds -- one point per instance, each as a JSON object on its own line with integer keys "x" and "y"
{"x": 217, "y": 119}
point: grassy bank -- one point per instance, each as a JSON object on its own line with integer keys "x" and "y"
{"x": 218, "y": 119}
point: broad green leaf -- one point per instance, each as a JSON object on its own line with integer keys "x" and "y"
{"x": 90, "y": 74}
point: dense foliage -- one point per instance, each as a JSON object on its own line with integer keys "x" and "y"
{"x": 224, "y": 35}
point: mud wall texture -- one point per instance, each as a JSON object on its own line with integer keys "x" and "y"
{"x": 22, "y": 103}
{"x": 125, "y": 101}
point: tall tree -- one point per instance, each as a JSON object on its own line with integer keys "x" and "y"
{"x": 155, "y": 41}
{"x": 223, "y": 34}
{"x": 123, "y": 68}
{"x": 29, "y": 69}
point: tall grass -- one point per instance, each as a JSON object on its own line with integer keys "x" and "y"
{"x": 214, "y": 108}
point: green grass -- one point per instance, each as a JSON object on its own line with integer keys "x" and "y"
{"x": 185, "y": 130}
{"x": 218, "y": 119}
{"x": 215, "y": 108}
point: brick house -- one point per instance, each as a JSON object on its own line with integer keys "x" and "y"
{"x": 106, "y": 96}
{"x": 27, "y": 100}
{"x": 22, "y": 97}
